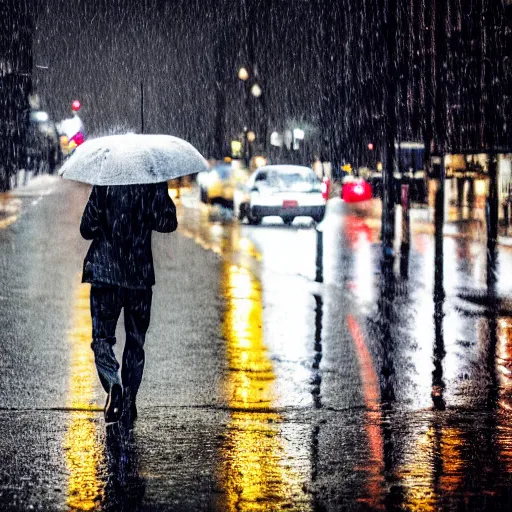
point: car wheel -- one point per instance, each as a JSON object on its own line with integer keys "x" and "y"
{"x": 254, "y": 220}
{"x": 319, "y": 217}
{"x": 288, "y": 220}
{"x": 242, "y": 211}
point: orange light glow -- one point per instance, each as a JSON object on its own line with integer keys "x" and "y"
{"x": 371, "y": 394}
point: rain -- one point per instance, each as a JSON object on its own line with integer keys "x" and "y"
{"x": 255, "y": 256}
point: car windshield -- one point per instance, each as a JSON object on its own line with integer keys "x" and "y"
{"x": 224, "y": 171}
{"x": 289, "y": 180}
{"x": 300, "y": 181}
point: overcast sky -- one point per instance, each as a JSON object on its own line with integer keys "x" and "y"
{"x": 100, "y": 50}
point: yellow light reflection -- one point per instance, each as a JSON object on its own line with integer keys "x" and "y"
{"x": 9, "y": 210}
{"x": 254, "y": 472}
{"x": 5, "y": 223}
{"x": 435, "y": 470}
{"x": 83, "y": 455}
{"x": 247, "y": 247}
{"x": 504, "y": 371}
{"x": 222, "y": 240}
{"x": 504, "y": 361}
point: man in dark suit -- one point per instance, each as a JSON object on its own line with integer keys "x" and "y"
{"x": 119, "y": 265}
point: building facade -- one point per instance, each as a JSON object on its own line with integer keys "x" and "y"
{"x": 15, "y": 85}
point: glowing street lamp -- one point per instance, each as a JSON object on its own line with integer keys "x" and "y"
{"x": 253, "y": 92}
{"x": 243, "y": 74}
{"x": 256, "y": 90}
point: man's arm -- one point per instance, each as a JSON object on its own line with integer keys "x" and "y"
{"x": 90, "y": 224}
{"x": 164, "y": 211}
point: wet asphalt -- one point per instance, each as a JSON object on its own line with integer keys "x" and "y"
{"x": 264, "y": 389}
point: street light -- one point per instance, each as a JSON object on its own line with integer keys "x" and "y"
{"x": 256, "y": 90}
{"x": 253, "y": 91}
{"x": 243, "y": 74}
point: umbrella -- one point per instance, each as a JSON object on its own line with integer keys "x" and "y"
{"x": 132, "y": 159}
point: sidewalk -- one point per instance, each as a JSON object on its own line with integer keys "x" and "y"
{"x": 26, "y": 186}
{"x": 461, "y": 222}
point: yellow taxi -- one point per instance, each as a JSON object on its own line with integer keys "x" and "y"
{"x": 217, "y": 185}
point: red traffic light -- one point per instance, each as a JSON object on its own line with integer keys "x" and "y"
{"x": 76, "y": 105}
{"x": 370, "y": 146}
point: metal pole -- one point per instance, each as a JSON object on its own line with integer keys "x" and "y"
{"x": 438, "y": 236}
{"x": 438, "y": 384}
{"x": 319, "y": 278}
{"x": 141, "y": 106}
{"x": 440, "y": 140}
{"x": 316, "y": 380}
{"x": 492, "y": 213}
{"x": 388, "y": 200}
{"x": 406, "y": 231}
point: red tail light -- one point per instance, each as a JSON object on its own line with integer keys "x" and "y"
{"x": 326, "y": 188}
{"x": 79, "y": 138}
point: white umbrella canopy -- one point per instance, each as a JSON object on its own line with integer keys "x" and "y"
{"x": 132, "y": 159}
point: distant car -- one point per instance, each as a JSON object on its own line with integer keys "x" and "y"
{"x": 72, "y": 133}
{"x": 175, "y": 185}
{"x": 217, "y": 185}
{"x": 286, "y": 191}
{"x": 42, "y": 144}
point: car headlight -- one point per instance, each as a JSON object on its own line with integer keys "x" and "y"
{"x": 213, "y": 176}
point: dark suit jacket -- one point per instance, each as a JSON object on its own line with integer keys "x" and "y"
{"x": 119, "y": 220}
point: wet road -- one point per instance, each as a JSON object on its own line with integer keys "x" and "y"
{"x": 263, "y": 389}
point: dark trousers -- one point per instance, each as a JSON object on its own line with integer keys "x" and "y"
{"x": 106, "y": 305}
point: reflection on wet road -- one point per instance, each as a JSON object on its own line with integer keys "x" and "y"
{"x": 255, "y": 472}
{"x": 374, "y": 466}
{"x": 9, "y": 210}
{"x": 430, "y": 375}
{"x": 81, "y": 445}
{"x": 265, "y": 389}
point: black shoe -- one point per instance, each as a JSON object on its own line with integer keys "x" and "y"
{"x": 114, "y": 405}
{"x": 130, "y": 410}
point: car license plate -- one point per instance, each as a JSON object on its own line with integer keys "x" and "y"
{"x": 290, "y": 204}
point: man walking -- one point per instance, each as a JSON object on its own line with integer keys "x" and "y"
{"x": 119, "y": 265}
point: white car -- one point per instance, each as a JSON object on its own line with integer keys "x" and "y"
{"x": 286, "y": 191}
